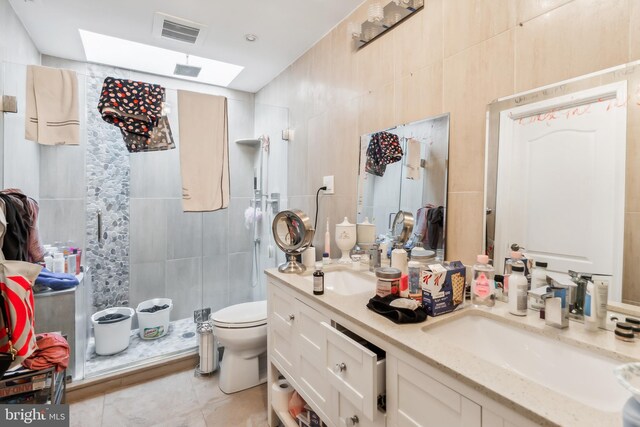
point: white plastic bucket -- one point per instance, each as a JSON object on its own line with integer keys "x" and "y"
{"x": 154, "y": 325}
{"x": 112, "y": 337}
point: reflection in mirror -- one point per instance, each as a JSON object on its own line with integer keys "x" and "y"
{"x": 404, "y": 168}
{"x": 559, "y": 177}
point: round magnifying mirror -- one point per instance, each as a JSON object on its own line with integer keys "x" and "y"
{"x": 402, "y": 226}
{"x": 292, "y": 232}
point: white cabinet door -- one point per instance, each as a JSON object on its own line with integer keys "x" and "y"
{"x": 416, "y": 399}
{"x": 282, "y": 316}
{"x": 311, "y": 346}
{"x": 561, "y": 181}
{"x": 353, "y": 371}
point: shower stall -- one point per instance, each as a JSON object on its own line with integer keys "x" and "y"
{"x": 125, "y": 211}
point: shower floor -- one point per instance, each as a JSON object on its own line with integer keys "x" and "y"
{"x": 181, "y": 337}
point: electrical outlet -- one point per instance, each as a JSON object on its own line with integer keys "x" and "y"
{"x": 327, "y": 181}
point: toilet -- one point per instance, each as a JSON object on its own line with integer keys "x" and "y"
{"x": 242, "y": 330}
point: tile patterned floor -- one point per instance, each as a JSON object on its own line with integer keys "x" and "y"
{"x": 181, "y": 337}
{"x": 178, "y": 400}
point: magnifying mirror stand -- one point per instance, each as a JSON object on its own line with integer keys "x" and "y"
{"x": 292, "y": 265}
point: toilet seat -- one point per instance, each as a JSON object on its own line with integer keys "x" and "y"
{"x": 245, "y": 315}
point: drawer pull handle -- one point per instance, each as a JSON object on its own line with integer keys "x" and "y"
{"x": 340, "y": 367}
{"x": 351, "y": 421}
{"x": 291, "y": 317}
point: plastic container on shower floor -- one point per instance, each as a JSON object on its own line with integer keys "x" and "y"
{"x": 154, "y": 316}
{"x": 112, "y": 329}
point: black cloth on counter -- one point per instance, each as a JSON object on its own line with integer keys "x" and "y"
{"x": 398, "y": 315}
{"x": 15, "y": 246}
{"x": 154, "y": 308}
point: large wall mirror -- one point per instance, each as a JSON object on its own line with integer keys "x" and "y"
{"x": 405, "y": 168}
{"x": 562, "y": 177}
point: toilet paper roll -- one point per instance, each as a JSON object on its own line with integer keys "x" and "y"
{"x": 281, "y": 392}
{"x": 309, "y": 257}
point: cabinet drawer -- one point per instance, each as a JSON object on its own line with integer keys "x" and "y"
{"x": 348, "y": 415}
{"x": 311, "y": 345}
{"x": 281, "y": 328}
{"x": 356, "y": 372}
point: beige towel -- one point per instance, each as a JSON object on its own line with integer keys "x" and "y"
{"x": 52, "y": 116}
{"x": 204, "y": 151}
{"x": 413, "y": 159}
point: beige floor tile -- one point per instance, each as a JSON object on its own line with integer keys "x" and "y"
{"x": 151, "y": 403}
{"x": 464, "y": 226}
{"x": 245, "y": 409}
{"x": 575, "y": 39}
{"x": 469, "y": 22}
{"x": 472, "y": 79}
{"x": 86, "y": 412}
{"x": 179, "y": 400}
{"x": 528, "y": 9}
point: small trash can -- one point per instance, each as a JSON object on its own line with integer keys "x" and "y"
{"x": 112, "y": 329}
{"x": 154, "y": 316}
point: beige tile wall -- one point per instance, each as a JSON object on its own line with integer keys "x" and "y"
{"x": 454, "y": 56}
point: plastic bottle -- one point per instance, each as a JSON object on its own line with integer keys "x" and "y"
{"x": 518, "y": 296}
{"x": 482, "y": 285}
{"x": 415, "y": 271}
{"x": 58, "y": 262}
{"x": 71, "y": 264}
{"x": 399, "y": 259}
{"x": 318, "y": 280}
{"x": 404, "y": 286}
{"x": 48, "y": 262}
{"x": 539, "y": 275}
{"x": 516, "y": 259}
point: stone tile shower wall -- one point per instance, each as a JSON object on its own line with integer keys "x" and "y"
{"x": 107, "y": 175}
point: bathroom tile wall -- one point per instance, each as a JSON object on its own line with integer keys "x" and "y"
{"x": 454, "y": 56}
{"x": 184, "y": 256}
{"x": 16, "y": 154}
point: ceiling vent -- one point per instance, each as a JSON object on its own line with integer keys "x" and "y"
{"x": 168, "y": 27}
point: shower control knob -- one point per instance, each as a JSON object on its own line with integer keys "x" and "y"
{"x": 291, "y": 317}
{"x": 352, "y": 421}
{"x": 340, "y": 367}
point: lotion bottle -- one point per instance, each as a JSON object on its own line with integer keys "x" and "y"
{"x": 518, "y": 291}
{"x": 482, "y": 285}
{"x": 399, "y": 259}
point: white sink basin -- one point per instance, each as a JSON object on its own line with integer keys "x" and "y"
{"x": 575, "y": 372}
{"x": 347, "y": 282}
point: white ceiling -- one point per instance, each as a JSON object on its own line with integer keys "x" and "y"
{"x": 285, "y": 28}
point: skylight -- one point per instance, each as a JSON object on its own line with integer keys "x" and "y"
{"x": 122, "y": 53}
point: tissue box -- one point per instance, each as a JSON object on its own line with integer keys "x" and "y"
{"x": 443, "y": 287}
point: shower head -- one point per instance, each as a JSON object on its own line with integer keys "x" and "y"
{"x": 254, "y": 142}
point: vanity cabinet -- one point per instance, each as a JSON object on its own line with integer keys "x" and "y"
{"x": 341, "y": 374}
{"x": 331, "y": 368}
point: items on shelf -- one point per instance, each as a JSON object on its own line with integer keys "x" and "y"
{"x": 52, "y": 352}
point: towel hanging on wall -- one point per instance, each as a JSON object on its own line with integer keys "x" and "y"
{"x": 52, "y": 113}
{"x": 413, "y": 159}
{"x": 204, "y": 151}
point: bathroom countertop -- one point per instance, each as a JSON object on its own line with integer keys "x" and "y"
{"x": 532, "y": 400}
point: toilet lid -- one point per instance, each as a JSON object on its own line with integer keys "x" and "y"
{"x": 243, "y": 315}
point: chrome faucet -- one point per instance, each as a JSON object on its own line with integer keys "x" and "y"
{"x": 556, "y": 310}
